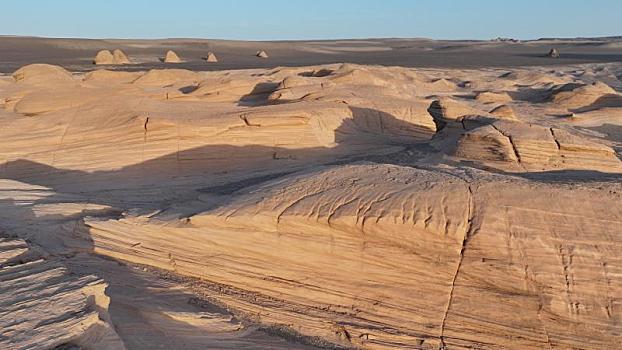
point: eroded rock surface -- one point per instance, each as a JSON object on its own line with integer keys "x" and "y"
{"x": 342, "y": 205}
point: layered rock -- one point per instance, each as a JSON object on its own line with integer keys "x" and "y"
{"x": 537, "y": 148}
{"x": 382, "y": 256}
{"x": 44, "y": 306}
{"x": 369, "y": 206}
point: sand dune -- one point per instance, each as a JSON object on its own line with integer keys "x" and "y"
{"x": 333, "y": 205}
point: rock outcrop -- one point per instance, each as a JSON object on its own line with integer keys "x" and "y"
{"x": 365, "y": 206}
{"x": 103, "y": 57}
{"x": 43, "y": 305}
{"x": 171, "y": 57}
{"x": 211, "y": 57}
{"x": 120, "y": 57}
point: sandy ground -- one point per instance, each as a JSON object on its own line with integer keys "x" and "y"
{"x": 77, "y": 54}
{"x": 321, "y": 206}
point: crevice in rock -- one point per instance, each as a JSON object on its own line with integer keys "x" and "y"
{"x": 247, "y": 122}
{"x": 467, "y": 235}
{"x": 514, "y": 149}
{"x": 145, "y": 127}
{"x": 555, "y": 138}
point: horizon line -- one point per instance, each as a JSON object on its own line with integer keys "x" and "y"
{"x": 317, "y": 39}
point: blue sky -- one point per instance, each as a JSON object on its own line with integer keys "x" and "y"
{"x": 311, "y": 19}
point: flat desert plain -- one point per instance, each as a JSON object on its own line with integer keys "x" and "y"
{"x": 379, "y": 194}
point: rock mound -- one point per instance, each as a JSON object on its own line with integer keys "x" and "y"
{"x": 104, "y": 57}
{"x": 211, "y": 57}
{"x": 120, "y": 57}
{"x": 261, "y": 54}
{"x": 44, "y": 74}
{"x": 573, "y": 96}
{"x": 171, "y": 57}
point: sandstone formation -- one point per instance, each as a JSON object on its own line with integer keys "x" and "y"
{"x": 44, "y": 306}
{"x": 120, "y": 57}
{"x": 171, "y": 57}
{"x": 211, "y": 57}
{"x": 104, "y": 57}
{"x": 503, "y": 112}
{"x": 342, "y": 205}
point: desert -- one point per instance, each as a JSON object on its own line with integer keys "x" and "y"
{"x": 335, "y": 194}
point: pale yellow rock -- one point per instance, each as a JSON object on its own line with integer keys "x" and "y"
{"x": 104, "y": 57}
{"x": 373, "y": 207}
{"x": 211, "y": 57}
{"x": 581, "y": 96}
{"x": 493, "y": 97}
{"x": 43, "y": 74}
{"x": 120, "y": 57}
{"x": 171, "y": 57}
{"x": 111, "y": 76}
{"x": 504, "y": 111}
{"x": 43, "y": 305}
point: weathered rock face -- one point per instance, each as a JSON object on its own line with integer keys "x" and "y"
{"x": 374, "y": 207}
{"x": 536, "y": 148}
{"x": 504, "y": 112}
{"x": 395, "y": 256}
{"x": 44, "y": 306}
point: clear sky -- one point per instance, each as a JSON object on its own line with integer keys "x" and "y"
{"x": 311, "y": 19}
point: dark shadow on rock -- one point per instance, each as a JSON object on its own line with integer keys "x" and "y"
{"x": 259, "y": 95}
{"x": 569, "y": 176}
{"x": 188, "y": 89}
{"x": 316, "y": 73}
{"x": 368, "y": 128}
